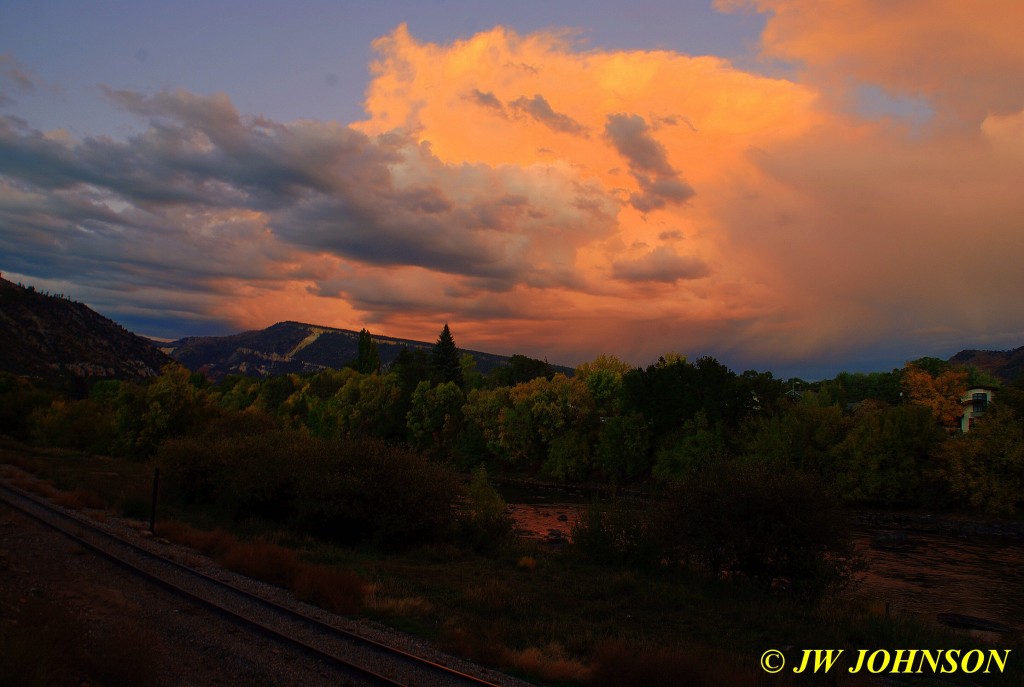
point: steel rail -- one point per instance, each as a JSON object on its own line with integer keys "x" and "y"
{"x": 417, "y": 662}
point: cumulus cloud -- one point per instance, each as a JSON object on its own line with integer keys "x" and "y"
{"x": 571, "y": 218}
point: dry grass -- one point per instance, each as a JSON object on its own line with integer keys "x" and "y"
{"x": 549, "y": 663}
{"x": 489, "y": 597}
{"x": 79, "y": 499}
{"x": 37, "y": 487}
{"x": 263, "y": 561}
{"x": 213, "y": 543}
{"x": 397, "y": 606}
{"x": 340, "y": 591}
{"x": 527, "y": 563}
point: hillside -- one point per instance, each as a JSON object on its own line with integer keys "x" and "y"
{"x": 1006, "y": 366}
{"x": 55, "y": 339}
{"x": 293, "y": 347}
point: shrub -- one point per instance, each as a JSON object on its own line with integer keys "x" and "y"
{"x": 615, "y": 534}
{"x": 371, "y": 491}
{"x": 483, "y": 516}
{"x": 760, "y": 523}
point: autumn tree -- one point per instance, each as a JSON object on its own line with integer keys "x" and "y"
{"x": 941, "y": 391}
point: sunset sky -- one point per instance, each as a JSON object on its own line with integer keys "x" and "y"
{"x": 801, "y": 186}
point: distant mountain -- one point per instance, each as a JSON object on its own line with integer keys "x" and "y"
{"x": 58, "y": 340}
{"x": 1006, "y": 366}
{"x": 293, "y": 347}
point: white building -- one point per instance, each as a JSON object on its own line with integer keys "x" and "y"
{"x": 974, "y": 402}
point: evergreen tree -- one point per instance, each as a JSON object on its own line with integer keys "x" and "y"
{"x": 368, "y": 361}
{"x": 445, "y": 360}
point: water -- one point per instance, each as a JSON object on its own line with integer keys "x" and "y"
{"x": 946, "y": 573}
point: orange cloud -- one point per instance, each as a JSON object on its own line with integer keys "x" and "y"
{"x": 964, "y": 56}
{"x": 661, "y": 135}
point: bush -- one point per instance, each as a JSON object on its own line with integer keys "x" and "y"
{"x": 762, "y": 524}
{"x": 615, "y": 534}
{"x": 483, "y": 517}
{"x": 371, "y": 491}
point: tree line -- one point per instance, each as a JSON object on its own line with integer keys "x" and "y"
{"x": 879, "y": 439}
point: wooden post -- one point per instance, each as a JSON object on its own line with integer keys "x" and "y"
{"x": 152, "y": 510}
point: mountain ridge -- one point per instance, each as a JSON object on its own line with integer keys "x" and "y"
{"x": 53, "y": 338}
{"x": 296, "y": 347}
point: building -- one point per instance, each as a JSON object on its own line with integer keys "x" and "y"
{"x": 974, "y": 403}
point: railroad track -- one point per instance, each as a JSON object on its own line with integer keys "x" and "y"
{"x": 366, "y": 660}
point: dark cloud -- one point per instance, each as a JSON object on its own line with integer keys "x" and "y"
{"x": 673, "y": 235}
{"x": 659, "y": 182}
{"x": 204, "y": 194}
{"x": 539, "y": 108}
{"x": 488, "y": 100}
{"x": 660, "y": 265}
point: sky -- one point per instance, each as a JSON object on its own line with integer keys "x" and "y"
{"x": 799, "y": 186}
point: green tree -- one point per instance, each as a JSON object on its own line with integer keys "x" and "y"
{"x": 485, "y": 409}
{"x": 885, "y": 456}
{"x": 798, "y": 435}
{"x": 368, "y": 406}
{"x": 484, "y": 516}
{"x": 985, "y": 467}
{"x": 623, "y": 448}
{"x": 368, "y": 360}
{"x": 435, "y": 418}
{"x": 519, "y": 369}
{"x": 445, "y": 362}
{"x": 697, "y": 447}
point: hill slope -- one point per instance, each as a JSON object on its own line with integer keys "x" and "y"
{"x": 1006, "y": 366}
{"x": 52, "y": 338}
{"x": 293, "y": 347}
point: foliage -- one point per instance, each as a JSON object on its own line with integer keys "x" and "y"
{"x": 985, "y": 467}
{"x": 435, "y": 418}
{"x": 445, "y": 359}
{"x": 696, "y": 447}
{"x": 519, "y": 369}
{"x": 368, "y": 359}
{"x": 615, "y": 534}
{"x": 798, "y": 435}
{"x": 368, "y": 406}
{"x": 86, "y": 425}
{"x": 18, "y": 399}
{"x": 753, "y": 520}
{"x": 941, "y": 393}
{"x": 483, "y": 516}
{"x": 622, "y": 451}
{"x": 375, "y": 492}
{"x": 884, "y": 458}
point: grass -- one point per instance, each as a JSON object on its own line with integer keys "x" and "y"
{"x": 541, "y": 614}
